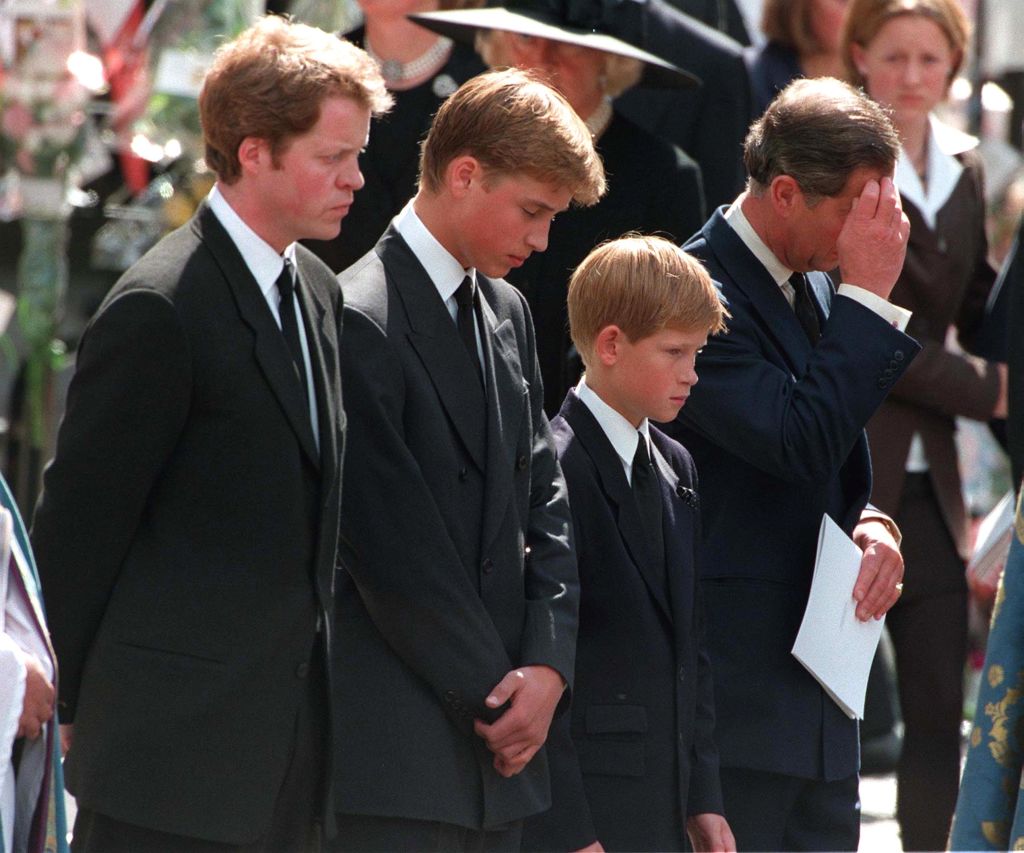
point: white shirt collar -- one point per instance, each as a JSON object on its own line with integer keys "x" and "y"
{"x": 944, "y": 143}
{"x": 444, "y": 270}
{"x": 745, "y": 231}
{"x": 620, "y": 432}
{"x": 263, "y": 262}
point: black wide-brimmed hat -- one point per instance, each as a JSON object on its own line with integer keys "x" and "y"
{"x": 585, "y": 23}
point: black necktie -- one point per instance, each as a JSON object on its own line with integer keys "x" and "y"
{"x": 647, "y": 491}
{"x": 465, "y": 297}
{"x": 289, "y": 322}
{"x": 803, "y": 305}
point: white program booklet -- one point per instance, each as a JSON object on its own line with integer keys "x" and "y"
{"x": 833, "y": 644}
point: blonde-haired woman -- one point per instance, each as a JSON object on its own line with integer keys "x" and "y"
{"x": 905, "y": 53}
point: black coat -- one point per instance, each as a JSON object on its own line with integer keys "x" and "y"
{"x": 642, "y": 756}
{"x": 710, "y": 122}
{"x": 186, "y": 538}
{"x": 446, "y": 490}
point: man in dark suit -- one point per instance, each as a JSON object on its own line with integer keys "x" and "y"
{"x": 187, "y": 532}
{"x": 456, "y": 619}
{"x": 637, "y": 768}
{"x": 708, "y": 122}
{"x": 776, "y": 426}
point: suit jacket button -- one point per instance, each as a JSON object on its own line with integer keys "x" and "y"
{"x": 302, "y": 670}
{"x": 487, "y": 565}
{"x": 883, "y": 383}
{"x": 463, "y": 473}
{"x": 449, "y": 696}
{"x": 521, "y": 461}
{"x": 898, "y": 355}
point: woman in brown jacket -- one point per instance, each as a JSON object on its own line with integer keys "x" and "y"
{"x": 906, "y": 53}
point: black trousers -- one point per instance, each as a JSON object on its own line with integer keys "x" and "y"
{"x": 296, "y": 823}
{"x": 771, "y": 811}
{"x": 929, "y": 633}
{"x": 372, "y": 834}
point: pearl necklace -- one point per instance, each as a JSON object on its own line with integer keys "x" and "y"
{"x": 395, "y": 72}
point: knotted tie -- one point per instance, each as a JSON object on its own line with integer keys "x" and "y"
{"x": 465, "y": 298}
{"x": 647, "y": 491}
{"x": 803, "y": 305}
{"x": 289, "y": 322}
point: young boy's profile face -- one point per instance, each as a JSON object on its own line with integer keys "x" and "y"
{"x": 506, "y": 219}
{"x": 652, "y": 377}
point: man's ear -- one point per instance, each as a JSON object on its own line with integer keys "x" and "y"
{"x": 857, "y": 55}
{"x": 785, "y": 194}
{"x": 253, "y": 154}
{"x": 461, "y": 174}
{"x": 608, "y": 345}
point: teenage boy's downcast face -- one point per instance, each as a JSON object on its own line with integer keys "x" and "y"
{"x": 654, "y": 375}
{"x": 506, "y": 218}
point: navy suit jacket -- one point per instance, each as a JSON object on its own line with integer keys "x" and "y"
{"x": 641, "y": 756}
{"x": 450, "y": 486}
{"x": 777, "y": 424}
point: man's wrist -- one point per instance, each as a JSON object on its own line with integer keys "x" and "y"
{"x": 886, "y": 522}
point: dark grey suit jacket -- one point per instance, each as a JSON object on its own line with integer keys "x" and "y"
{"x": 186, "y": 538}
{"x": 456, "y": 537}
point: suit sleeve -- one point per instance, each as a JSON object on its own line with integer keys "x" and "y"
{"x": 796, "y": 428}
{"x": 552, "y": 580}
{"x": 951, "y": 382}
{"x": 127, "y": 403}
{"x": 394, "y": 542}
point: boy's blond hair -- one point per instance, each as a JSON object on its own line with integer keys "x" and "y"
{"x": 513, "y": 123}
{"x": 642, "y": 285}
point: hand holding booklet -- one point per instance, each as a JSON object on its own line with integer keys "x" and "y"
{"x": 833, "y": 644}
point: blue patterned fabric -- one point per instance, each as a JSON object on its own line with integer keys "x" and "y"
{"x": 990, "y": 808}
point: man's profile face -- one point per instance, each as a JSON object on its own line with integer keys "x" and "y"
{"x": 504, "y": 219}
{"x": 812, "y": 232}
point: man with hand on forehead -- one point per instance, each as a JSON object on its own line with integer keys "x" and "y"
{"x": 776, "y": 423}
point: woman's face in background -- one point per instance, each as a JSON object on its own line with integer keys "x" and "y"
{"x": 907, "y": 66}
{"x": 826, "y": 23}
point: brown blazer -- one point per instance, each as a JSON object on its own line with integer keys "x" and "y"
{"x": 945, "y": 281}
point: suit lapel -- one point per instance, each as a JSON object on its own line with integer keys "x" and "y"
{"x": 435, "y": 339}
{"x": 616, "y": 488}
{"x": 680, "y": 502}
{"x": 270, "y": 350}
{"x": 766, "y": 297}
{"x": 321, "y": 335}
{"x": 506, "y": 404}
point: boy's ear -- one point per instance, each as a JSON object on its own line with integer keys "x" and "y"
{"x": 461, "y": 173}
{"x": 608, "y": 344}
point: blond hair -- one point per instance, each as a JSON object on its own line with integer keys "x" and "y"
{"x": 270, "y": 83}
{"x": 513, "y": 123}
{"x": 641, "y": 284}
{"x": 618, "y": 73}
{"x": 865, "y": 18}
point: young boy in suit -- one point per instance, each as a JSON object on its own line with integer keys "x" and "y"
{"x": 636, "y": 765}
{"x": 453, "y": 646}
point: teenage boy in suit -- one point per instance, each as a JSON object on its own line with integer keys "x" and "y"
{"x": 640, "y": 769}
{"x": 187, "y": 531}
{"x": 456, "y": 619}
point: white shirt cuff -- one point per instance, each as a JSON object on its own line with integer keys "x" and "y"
{"x": 892, "y": 314}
